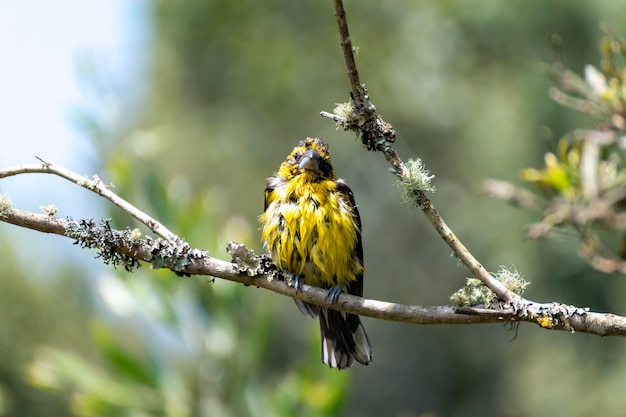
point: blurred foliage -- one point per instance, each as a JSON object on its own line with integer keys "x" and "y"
{"x": 583, "y": 185}
{"x": 229, "y": 88}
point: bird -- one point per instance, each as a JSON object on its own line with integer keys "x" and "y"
{"x": 311, "y": 228}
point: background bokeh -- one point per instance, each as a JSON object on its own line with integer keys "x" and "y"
{"x": 211, "y": 98}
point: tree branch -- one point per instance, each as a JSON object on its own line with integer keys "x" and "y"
{"x": 124, "y": 247}
{"x": 95, "y": 185}
{"x": 378, "y": 135}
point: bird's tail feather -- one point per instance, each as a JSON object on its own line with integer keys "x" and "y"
{"x": 344, "y": 339}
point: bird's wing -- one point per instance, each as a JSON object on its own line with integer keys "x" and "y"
{"x": 272, "y": 183}
{"x": 355, "y": 287}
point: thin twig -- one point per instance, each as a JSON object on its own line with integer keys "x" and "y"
{"x": 95, "y": 185}
{"x": 348, "y": 54}
{"x": 465, "y": 256}
{"x": 376, "y": 134}
{"x": 332, "y": 116}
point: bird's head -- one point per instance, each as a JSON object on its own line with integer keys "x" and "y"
{"x": 310, "y": 158}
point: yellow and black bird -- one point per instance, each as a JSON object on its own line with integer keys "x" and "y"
{"x": 312, "y": 229}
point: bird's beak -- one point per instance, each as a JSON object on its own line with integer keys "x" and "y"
{"x": 310, "y": 161}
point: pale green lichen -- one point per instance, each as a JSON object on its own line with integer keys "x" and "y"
{"x": 5, "y": 205}
{"x": 175, "y": 254}
{"x": 476, "y": 293}
{"x": 85, "y": 183}
{"x": 416, "y": 181}
{"x": 135, "y": 235}
{"x": 50, "y": 209}
{"x": 126, "y": 248}
{"x": 346, "y": 112}
{"x": 244, "y": 258}
{"x": 107, "y": 241}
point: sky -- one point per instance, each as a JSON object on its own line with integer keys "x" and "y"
{"x": 43, "y": 46}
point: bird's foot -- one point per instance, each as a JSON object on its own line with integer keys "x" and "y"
{"x": 297, "y": 282}
{"x": 293, "y": 280}
{"x": 333, "y": 293}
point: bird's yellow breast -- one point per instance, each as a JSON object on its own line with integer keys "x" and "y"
{"x": 310, "y": 230}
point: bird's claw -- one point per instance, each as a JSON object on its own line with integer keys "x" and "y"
{"x": 333, "y": 293}
{"x": 297, "y": 282}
